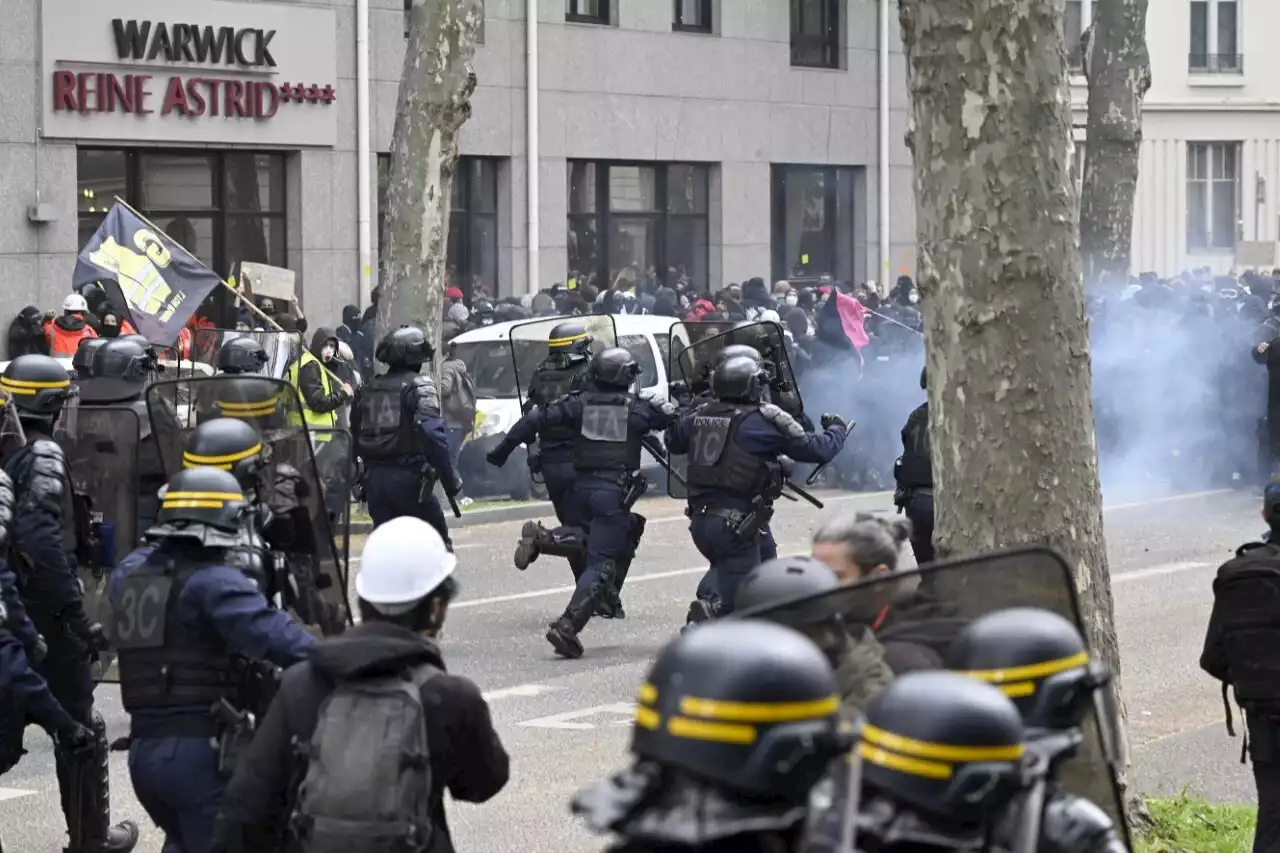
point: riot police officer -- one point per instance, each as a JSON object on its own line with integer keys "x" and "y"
{"x": 24, "y": 695}
{"x": 735, "y": 724}
{"x": 192, "y": 635}
{"x": 1040, "y": 660}
{"x": 119, "y": 373}
{"x": 852, "y": 649}
{"x": 735, "y": 473}
{"x": 940, "y": 759}
{"x": 914, "y": 474}
{"x": 45, "y": 541}
{"x": 564, "y": 369}
{"x": 400, "y": 435}
{"x": 241, "y": 355}
{"x": 610, "y": 424}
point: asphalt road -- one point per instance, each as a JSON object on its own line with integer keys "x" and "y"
{"x": 565, "y": 723}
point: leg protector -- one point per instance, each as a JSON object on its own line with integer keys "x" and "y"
{"x": 567, "y": 542}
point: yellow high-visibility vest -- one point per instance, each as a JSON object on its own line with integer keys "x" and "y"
{"x": 316, "y": 421}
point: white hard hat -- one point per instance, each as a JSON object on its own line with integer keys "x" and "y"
{"x": 74, "y": 302}
{"x": 403, "y": 561}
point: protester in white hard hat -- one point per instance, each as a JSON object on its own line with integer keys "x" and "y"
{"x": 64, "y": 333}
{"x": 354, "y": 779}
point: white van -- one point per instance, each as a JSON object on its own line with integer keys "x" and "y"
{"x": 487, "y": 354}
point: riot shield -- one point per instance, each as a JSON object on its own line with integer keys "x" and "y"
{"x": 102, "y": 459}
{"x": 697, "y": 360}
{"x": 291, "y": 482}
{"x": 915, "y": 615}
{"x": 335, "y": 464}
{"x": 281, "y": 347}
{"x": 529, "y": 344}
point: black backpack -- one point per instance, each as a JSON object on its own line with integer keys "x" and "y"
{"x": 1247, "y": 598}
{"x": 368, "y": 784}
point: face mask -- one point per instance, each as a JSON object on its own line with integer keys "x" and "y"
{"x": 793, "y": 299}
{"x": 913, "y": 298}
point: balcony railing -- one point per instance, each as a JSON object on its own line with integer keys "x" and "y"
{"x": 1215, "y": 63}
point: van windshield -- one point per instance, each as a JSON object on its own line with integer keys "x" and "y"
{"x": 491, "y": 367}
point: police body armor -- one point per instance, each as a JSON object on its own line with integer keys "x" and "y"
{"x": 915, "y": 470}
{"x": 385, "y": 432}
{"x": 554, "y": 379}
{"x": 717, "y": 461}
{"x": 48, "y": 480}
{"x": 162, "y": 664}
{"x": 604, "y": 441}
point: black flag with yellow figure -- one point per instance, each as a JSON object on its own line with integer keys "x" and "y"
{"x": 147, "y": 276}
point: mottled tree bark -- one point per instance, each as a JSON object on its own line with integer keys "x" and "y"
{"x": 1119, "y": 73}
{"x": 1011, "y": 414}
{"x": 435, "y": 101}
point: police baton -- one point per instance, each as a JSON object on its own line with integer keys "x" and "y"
{"x": 656, "y": 452}
{"x": 802, "y": 493}
{"x": 453, "y": 505}
{"x": 813, "y": 477}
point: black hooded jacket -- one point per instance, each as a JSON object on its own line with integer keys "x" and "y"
{"x": 311, "y": 377}
{"x": 467, "y": 756}
{"x": 917, "y": 631}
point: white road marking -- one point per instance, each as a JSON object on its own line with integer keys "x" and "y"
{"x": 573, "y": 720}
{"x": 1157, "y": 571}
{"x": 521, "y": 691}
{"x": 1186, "y": 496}
{"x": 14, "y": 794}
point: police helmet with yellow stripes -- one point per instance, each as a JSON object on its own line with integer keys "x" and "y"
{"x": 1036, "y": 658}
{"x": 38, "y": 385}
{"x": 569, "y": 337}
{"x": 202, "y": 496}
{"x": 241, "y": 355}
{"x": 406, "y": 346}
{"x": 248, "y": 397}
{"x": 82, "y": 361}
{"x": 944, "y": 746}
{"x": 748, "y": 706}
{"x": 228, "y": 444}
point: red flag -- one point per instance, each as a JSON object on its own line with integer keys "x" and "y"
{"x": 852, "y": 316}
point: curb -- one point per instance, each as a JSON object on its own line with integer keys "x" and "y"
{"x": 477, "y": 517}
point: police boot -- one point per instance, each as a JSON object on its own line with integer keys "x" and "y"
{"x": 527, "y": 549}
{"x": 700, "y": 610}
{"x": 563, "y": 637}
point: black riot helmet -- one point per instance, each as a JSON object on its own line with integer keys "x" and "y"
{"x": 739, "y": 379}
{"x": 124, "y": 358}
{"x": 406, "y": 346}
{"x": 750, "y": 707}
{"x": 82, "y": 361}
{"x": 786, "y": 579}
{"x": 249, "y": 398}
{"x": 943, "y": 746}
{"x": 228, "y": 444}
{"x": 1037, "y": 659}
{"x": 735, "y": 350}
{"x": 569, "y": 337}
{"x": 200, "y": 499}
{"x": 38, "y": 386}
{"x": 241, "y": 355}
{"x": 614, "y": 368}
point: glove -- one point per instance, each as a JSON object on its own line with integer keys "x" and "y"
{"x": 828, "y": 421}
{"x": 39, "y": 651}
{"x": 453, "y": 488}
{"x": 496, "y": 457}
{"x": 74, "y": 740}
{"x": 677, "y": 388}
{"x": 97, "y": 639}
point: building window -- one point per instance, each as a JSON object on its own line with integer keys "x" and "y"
{"x": 1213, "y": 195}
{"x": 408, "y": 4}
{"x": 224, "y": 207}
{"x": 813, "y": 222}
{"x": 1073, "y": 27}
{"x": 636, "y": 222}
{"x": 1215, "y": 37}
{"x": 815, "y": 33}
{"x": 692, "y": 16}
{"x": 472, "y": 256}
{"x": 587, "y": 11}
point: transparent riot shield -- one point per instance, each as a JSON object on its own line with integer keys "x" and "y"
{"x": 530, "y": 344}
{"x": 335, "y": 463}
{"x": 102, "y": 459}
{"x": 911, "y": 618}
{"x": 296, "y": 517}
{"x": 685, "y": 335}
{"x": 281, "y": 347}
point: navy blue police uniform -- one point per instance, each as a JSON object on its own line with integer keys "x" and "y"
{"x": 193, "y": 634}
{"x": 610, "y": 423}
{"x": 401, "y": 438}
{"x": 45, "y": 545}
{"x": 914, "y": 474}
{"x": 734, "y": 445}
